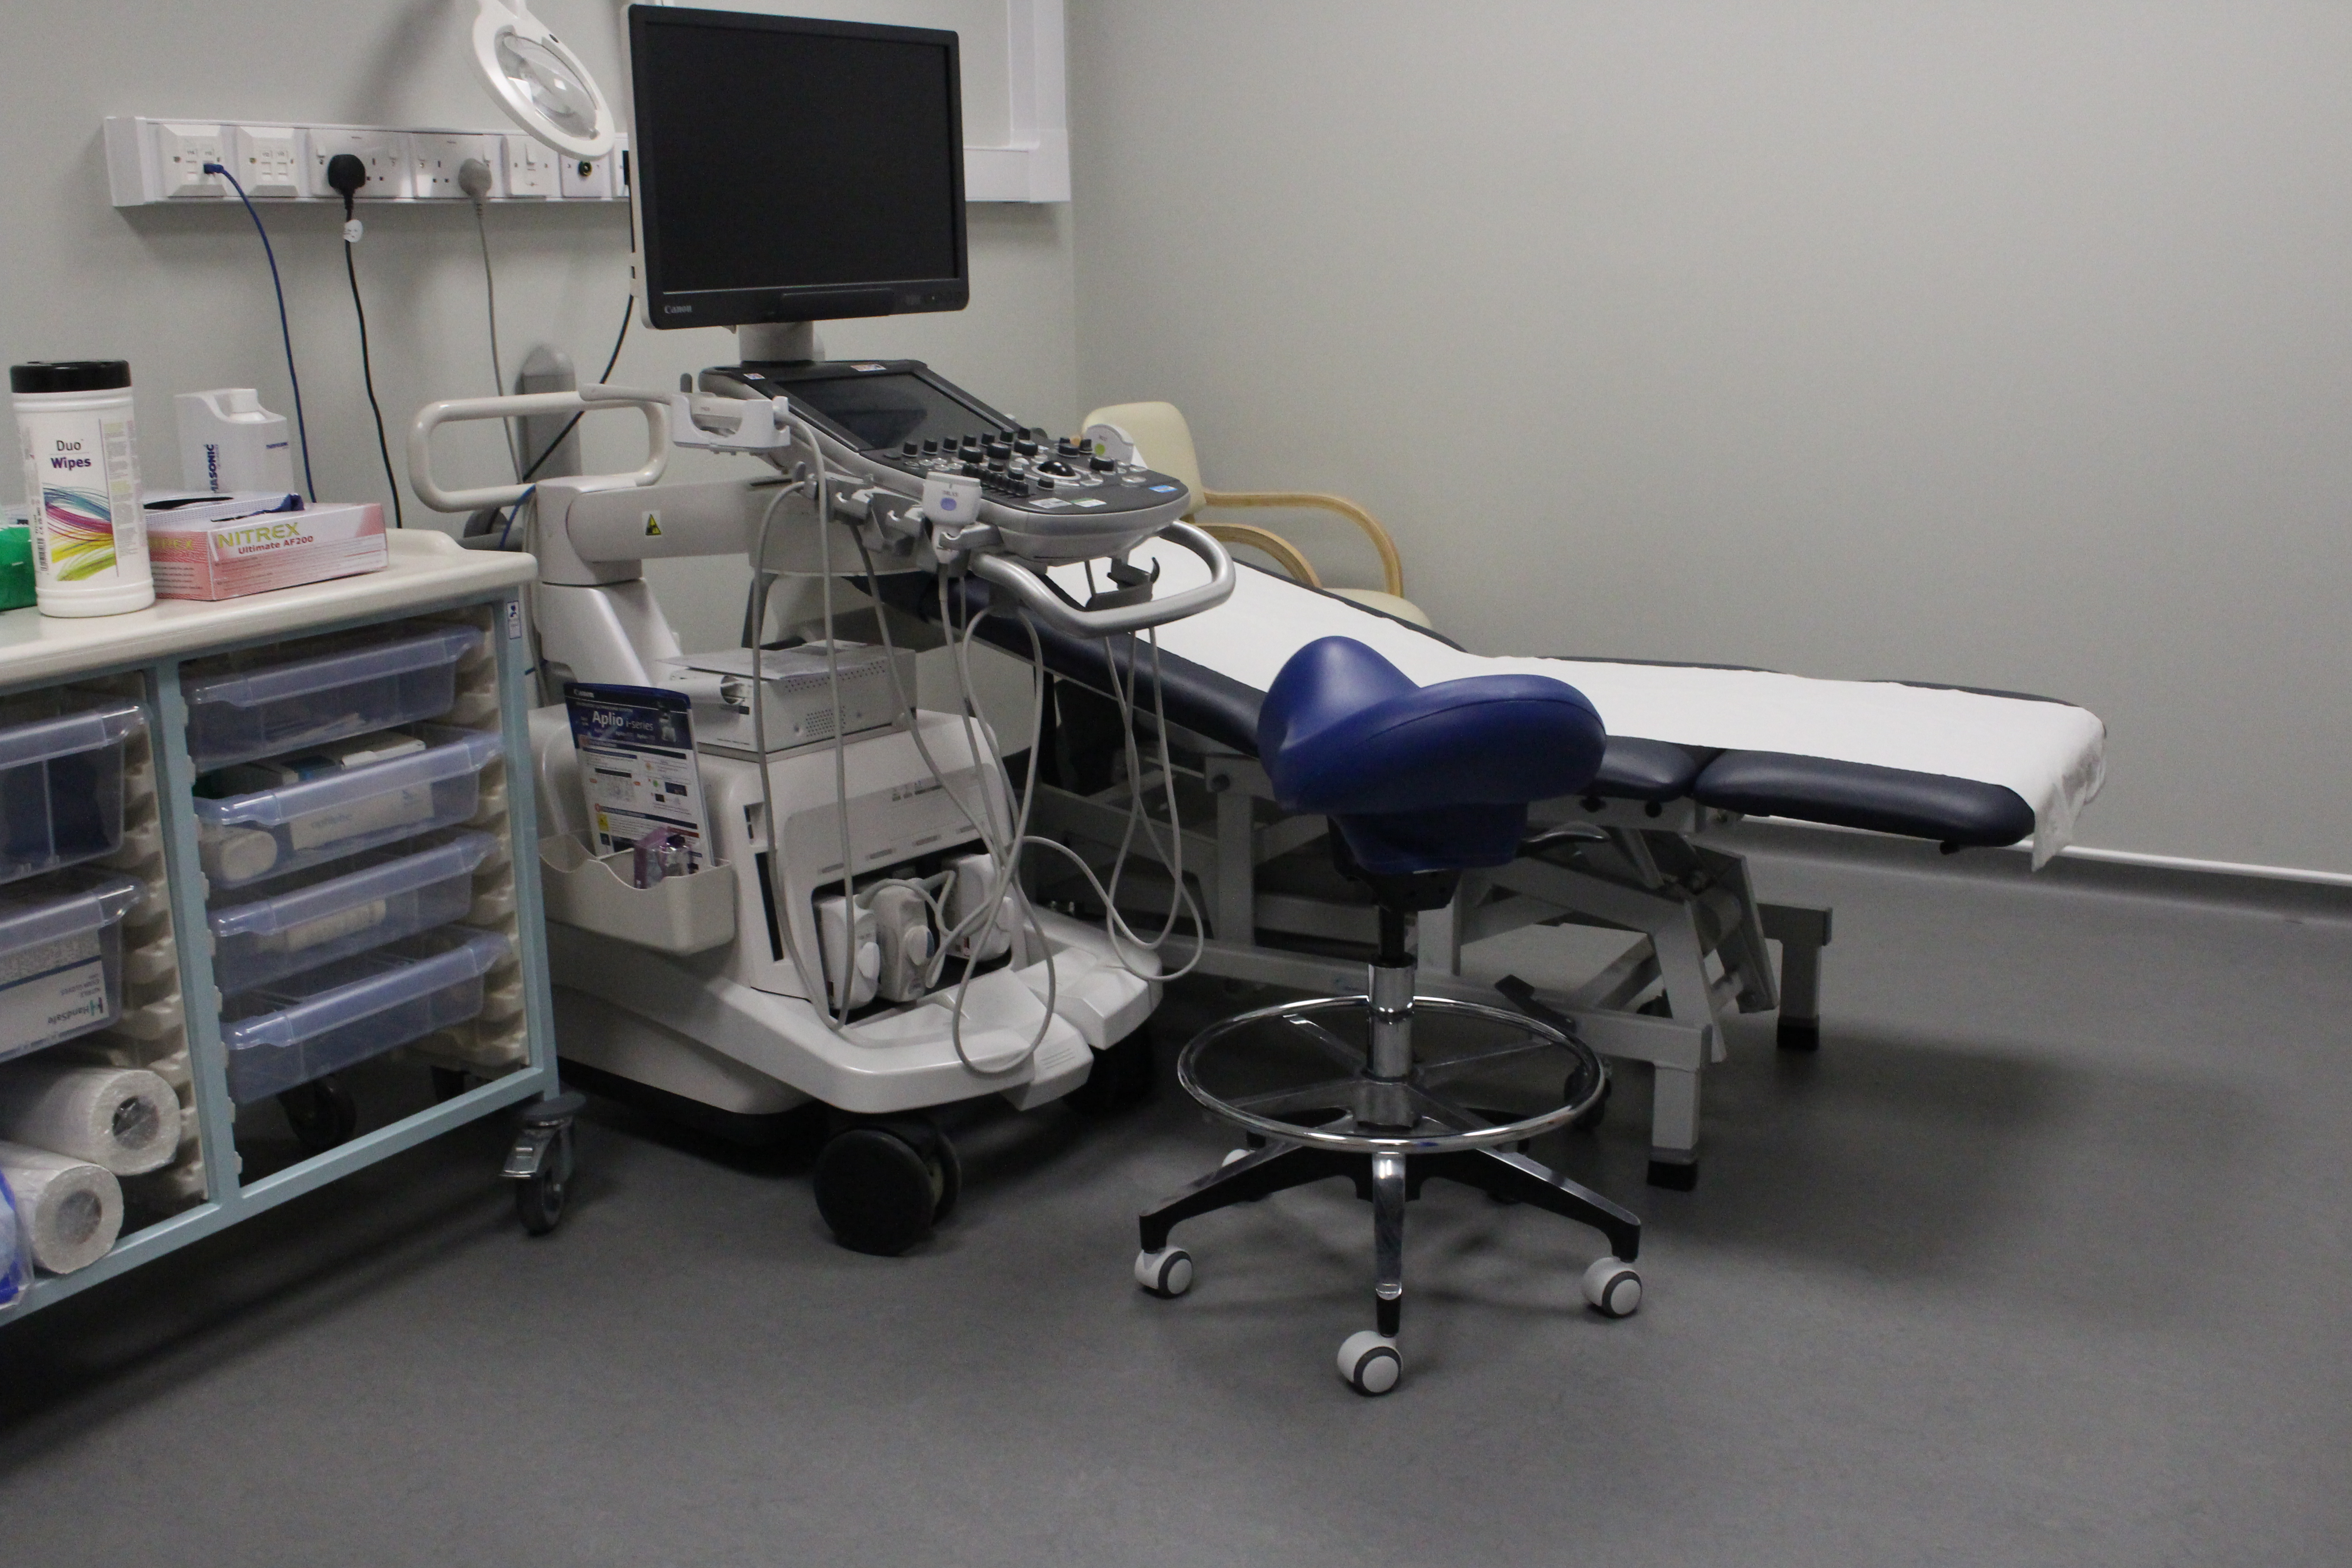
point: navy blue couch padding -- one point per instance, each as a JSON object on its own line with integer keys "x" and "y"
{"x": 1764, "y": 783}
{"x": 1861, "y": 795}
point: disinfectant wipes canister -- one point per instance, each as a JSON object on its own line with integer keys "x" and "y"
{"x": 81, "y": 481}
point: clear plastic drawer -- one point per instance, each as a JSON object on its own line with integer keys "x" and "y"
{"x": 326, "y": 1019}
{"x": 249, "y": 713}
{"x": 61, "y": 788}
{"x": 352, "y": 906}
{"x": 272, "y": 832}
{"x": 61, "y": 957}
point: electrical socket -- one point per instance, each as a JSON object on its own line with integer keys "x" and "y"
{"x": 152, "y": 162}
{"x": 586, "y": 179}
{"x": 266, "y": 159}
{"x": 435, "y": 155}
{"x": 182, "y": 152}
{"x": 530, "y": 166}
{"x": 383, "y": 153}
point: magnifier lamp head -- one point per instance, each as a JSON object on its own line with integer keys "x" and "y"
{"x": 539, "y": 81}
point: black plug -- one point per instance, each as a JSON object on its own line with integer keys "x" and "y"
{"x": 345, "y": 175}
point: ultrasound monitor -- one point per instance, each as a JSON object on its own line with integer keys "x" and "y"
{"x": 790, "y": 170}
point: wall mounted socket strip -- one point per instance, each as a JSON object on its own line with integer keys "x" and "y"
{"x": 160, "y": 163}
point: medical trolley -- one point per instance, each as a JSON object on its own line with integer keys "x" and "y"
{"x": 295, "y": 834}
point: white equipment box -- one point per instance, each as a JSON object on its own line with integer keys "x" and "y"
{"x": 799, "y": 694}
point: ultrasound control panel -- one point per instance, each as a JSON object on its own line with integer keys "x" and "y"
{"x": 901, "y": 415}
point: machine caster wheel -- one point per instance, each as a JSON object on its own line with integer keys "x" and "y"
{"x": 879, "y": 1192}
{"x": 1369, "y": 1363}
{"x": 322, "y": 1114}
{"x": 1614, "y": 1288}
{"x": 449, "y": 1083}
{"x": 948, "y": 1168}
{"x": 1119, "y": 1078}
{"x": 540, "y": 1199}
{"x": 1675, "y": 1175}
{"x": 1798, "y": 1034}
{"x": 1167, "y": 1273}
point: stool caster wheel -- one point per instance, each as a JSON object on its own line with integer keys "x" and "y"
{"x": 1166, "y": 1274}
{"x": 1614, "y": 1288}
{"x": 1369, "y": 1363}
{"x": 1234, "y": 1157}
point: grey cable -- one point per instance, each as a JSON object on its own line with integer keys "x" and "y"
{"x": 490, "y": 295}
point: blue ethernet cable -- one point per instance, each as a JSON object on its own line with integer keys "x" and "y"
{"x": 285, "y": 331}
{"x": 521, "y": 502}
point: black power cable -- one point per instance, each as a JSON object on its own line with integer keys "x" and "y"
{"x": 610, "y": 361}
{"x": 345, "y": 175}
{"x": 301, "y": 425}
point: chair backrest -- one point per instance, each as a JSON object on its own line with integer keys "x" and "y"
{"x": 1159, "y": 433}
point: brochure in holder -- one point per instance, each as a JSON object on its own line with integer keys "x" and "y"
{"x": 637, "y": 768}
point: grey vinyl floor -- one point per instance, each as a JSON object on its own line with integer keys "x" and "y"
{"x": 2044, "y": 1259}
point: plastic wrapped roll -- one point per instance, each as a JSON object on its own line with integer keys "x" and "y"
{"x": 126, "y": 1119}
{"x": 69, "y": 1212}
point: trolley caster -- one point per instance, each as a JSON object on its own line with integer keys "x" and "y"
{"x": 1167, "y": 1273}
{"x": 881, "y": 1187}
{"x": 321, "y": 1113}
{"x": 1119, "y": 1078}
{"x": 539, "y": 1162}
{"x": 1369, "y": 1363}
{"x": 1614, "y": 1287}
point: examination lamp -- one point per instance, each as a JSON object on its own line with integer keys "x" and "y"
{"x": 539, "y": 82}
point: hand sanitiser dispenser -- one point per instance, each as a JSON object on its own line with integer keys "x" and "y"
{"x": 230, "y": 444}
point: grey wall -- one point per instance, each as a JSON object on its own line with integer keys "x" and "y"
{"x": 185, "y": 294}
{"x": 2003, "y": 344}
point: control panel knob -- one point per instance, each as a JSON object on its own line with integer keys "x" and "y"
{"x": 908, "y": 449}
{"x": 1102, "y": 465}
{"x": 1026, "y": 447}
{"x": 998, "y": 451}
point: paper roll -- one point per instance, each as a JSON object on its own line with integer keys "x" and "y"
{"x": 307, "y": 934}
{"x": 237, "y": 853}
{"x": 69, "y": 1211}
{"x": 124, "y": 1118}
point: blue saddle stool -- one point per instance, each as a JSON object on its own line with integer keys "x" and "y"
{"x": 1419, "y": 784}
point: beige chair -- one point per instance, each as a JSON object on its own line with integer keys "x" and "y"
{"x": 1165, "y": 441}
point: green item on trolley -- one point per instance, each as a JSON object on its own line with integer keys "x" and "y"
{"x": 15, "y": 564}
